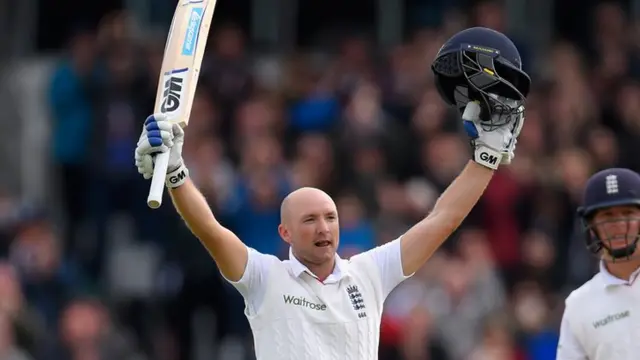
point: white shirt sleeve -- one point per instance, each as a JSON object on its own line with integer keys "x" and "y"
{"x": 388, "y": 260}
{"x": 569, "y": 347}
{"x": 253, "y": 283}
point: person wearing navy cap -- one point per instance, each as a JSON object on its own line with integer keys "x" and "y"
{"x": 602, "y": 318}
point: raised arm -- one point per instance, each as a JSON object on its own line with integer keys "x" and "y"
{"x": 227, "y": 250}
{"x": 229, "y": 253}
{"x": 424, "y": 238}
{"x": 477, "y": 68}
{"x": 490, "y": 150}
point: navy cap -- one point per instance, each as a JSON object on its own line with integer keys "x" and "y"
{"x": 610, "y": 187}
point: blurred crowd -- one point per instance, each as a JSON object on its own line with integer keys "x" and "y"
{"x": 104, "y": 277}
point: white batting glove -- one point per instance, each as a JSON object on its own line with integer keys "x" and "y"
{"x": 495, "y": 147}
{"x": 516, "y": 127}
{"x": 159, "y": 135}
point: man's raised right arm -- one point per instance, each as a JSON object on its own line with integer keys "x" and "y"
{"x": 245, "y": 268}
{"x": 226, "y": 249}
{"x": 229, "y": 253}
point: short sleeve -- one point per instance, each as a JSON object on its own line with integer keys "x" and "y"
{"x": 253, "y": 283}
{"x": 569, "y": 347}
{"x": 388, "y": 259}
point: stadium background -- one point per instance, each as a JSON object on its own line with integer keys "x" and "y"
{"x": 325, "y": 93}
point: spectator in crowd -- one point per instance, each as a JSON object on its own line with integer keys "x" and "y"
{"x": 72, "y": 121}
{"x": 87, "y": 332}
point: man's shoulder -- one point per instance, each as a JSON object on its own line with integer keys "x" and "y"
{"x": 586, "y": 292}
{"x": 266, "y": 259}
{"x": 355, "y": 266}
{"x": 357, "y": 261}
{"x": 388, "y": 248}
{"x": 376, "y": 257}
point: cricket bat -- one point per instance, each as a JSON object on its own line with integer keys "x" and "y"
{"x": 178, "y": 80}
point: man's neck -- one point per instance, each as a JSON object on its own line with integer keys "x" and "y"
{"x": 322, "y": 271}
{"x": 623, "y": 270}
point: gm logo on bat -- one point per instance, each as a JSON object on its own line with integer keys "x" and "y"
{"x": 191, "y": 37}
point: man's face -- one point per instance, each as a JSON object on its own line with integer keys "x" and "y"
{"x": 618, "y": 227}
{"x": 312, "y": 228}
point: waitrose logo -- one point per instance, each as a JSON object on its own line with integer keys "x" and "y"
{"x": 611, "y": 318}
{"x": 301, "y": 301}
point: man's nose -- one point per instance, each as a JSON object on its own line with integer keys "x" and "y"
{"x": 323, "y": 226}
{"x": 623, "y": 226}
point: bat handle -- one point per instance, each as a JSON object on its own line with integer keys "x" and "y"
{"x": 158, "y": 180}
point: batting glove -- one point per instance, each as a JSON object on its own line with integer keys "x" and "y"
{"x": 159, "y": 135}
{"x": 495, "y": 147}
{"x": 516, "y": 127}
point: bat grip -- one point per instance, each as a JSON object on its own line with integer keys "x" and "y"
{"x": 158, "y": 180}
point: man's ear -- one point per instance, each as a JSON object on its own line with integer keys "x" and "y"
{"x": 284, "y": 234}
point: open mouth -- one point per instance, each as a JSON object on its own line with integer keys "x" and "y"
{"x": 322, "y": 243}
{"x": 619, "y": 243}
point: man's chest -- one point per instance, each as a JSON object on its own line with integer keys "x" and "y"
{"x": 611, "y": 326}
{"x": 341, "y": 302}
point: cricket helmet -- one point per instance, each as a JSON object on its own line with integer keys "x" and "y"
{"x": 481, "y": 64}
{"x": 606, "y": 189}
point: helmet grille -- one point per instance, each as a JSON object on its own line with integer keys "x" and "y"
{"x": 448, "y": 65}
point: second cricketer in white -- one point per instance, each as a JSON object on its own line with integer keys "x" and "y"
{"x": 600, "y": 320}
{"x": 317, "y": 306}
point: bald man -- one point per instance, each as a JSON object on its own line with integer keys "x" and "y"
{"x": 316, "y": 305}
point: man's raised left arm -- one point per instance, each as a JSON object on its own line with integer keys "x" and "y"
{"x": 490, "y": 149}
{"x": 424, "y": 238}
{"x": 399, "y": 259}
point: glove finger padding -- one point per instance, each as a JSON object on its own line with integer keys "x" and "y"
{"x": 158, "y": 131}
{"x": 146, "y": 147}
{"x": 159, "y": 117}
{"x": 489, "y": 147}
{"x": 161, "y": 126}
{"x": 519, "y": 122}
{"x": 159, "y": 135}
{"x": 516, "y": 128}
{"x": 157, "y": 138}
{"x": 177, "y": 131}
{"x": 508, "y": 156}
{"x": 144, "y": 163}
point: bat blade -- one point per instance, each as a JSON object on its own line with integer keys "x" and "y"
{"x": 178, "y": 79}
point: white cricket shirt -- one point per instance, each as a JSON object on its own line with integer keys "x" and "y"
{"x": 295, "y": 316}
{"x": 601, "y": 320}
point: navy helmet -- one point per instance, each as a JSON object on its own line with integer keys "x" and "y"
{"x": 481, "y": 64}
{"x": 606, "y": 189}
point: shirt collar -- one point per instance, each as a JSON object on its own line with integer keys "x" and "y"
{"x": 298, "y": 268}
{"x": 610, "y": 280}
